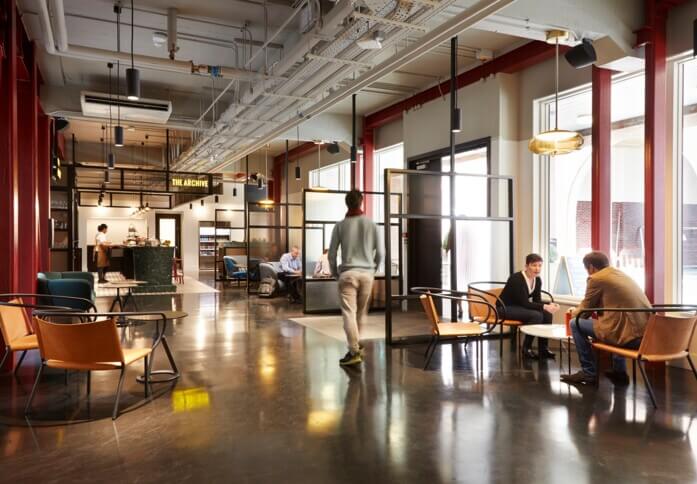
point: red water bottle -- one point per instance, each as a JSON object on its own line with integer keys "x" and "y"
{"x": 567, "y": 320}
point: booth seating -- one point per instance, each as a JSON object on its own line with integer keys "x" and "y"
{"x": 273, "y": 270}
{"x": 453, "y": 332}
{"x": 492, "y": 295}
{"x": 74, "y": 284}
{"x": 233, "y": 271}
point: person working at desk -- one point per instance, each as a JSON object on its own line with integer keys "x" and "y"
{"x": 101, "y": 252}
{"x": 291, "y": 267}
{"x": 607, "y": 287}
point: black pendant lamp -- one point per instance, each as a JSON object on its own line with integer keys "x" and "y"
{"x": 132, "y": 74}
{"x": 297, "y": 163}
{"x": 118, "y": 129}
{"x": 234, "y": 191}
{"x": 456, "y": 121}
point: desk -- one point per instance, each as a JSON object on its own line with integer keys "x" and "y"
{"x": 551, "y": 331}
{"x": 161, "y": 339}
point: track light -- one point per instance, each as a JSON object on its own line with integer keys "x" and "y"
{"x": 118, "y": 136}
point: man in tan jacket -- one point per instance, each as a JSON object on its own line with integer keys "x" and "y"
{"x": 607, "y": 287}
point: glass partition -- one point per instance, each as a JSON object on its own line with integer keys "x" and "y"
{"x": 230, "y": 240}
{"x": 448, "y": 243}
{"x": 323, "y": 209}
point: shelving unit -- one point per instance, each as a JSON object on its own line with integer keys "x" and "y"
{"x": 207, "y": 244}
{"x": 62, "y": 215}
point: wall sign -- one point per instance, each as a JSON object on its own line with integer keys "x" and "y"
{"x": 188, "y": 182}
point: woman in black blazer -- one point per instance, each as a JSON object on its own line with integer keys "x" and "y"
{"x": 523, "y": 301}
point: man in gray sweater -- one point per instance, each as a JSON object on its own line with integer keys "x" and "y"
{"x": 361, "y": 255}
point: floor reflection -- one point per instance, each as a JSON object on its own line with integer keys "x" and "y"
{"x": 262, "y": 399}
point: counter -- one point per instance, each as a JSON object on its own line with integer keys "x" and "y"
{"x": 151, "y": 264}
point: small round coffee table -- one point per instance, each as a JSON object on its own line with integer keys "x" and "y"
{"x": 160, "y": 338}
{"x": 551, "y": 331}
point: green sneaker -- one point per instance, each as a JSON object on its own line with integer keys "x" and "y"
{"x": 351, "y": 359}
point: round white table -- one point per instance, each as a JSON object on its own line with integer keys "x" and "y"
{"x": 551, "y": 331}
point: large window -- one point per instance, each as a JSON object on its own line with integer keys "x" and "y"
{"x": 567, "y": 178}
{"x": 568, "y": 200}
{"x": 391, "y": 157}
{"x": 687, "y": 177}
{"x": 334, "y": 177}
{"x": 627, "y": 178}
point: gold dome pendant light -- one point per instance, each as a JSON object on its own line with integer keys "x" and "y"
{"x": 556, "y": 141}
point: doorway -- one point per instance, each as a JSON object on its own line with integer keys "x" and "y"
{"x": 168, "y": 227}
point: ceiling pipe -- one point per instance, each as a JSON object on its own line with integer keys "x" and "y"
{"x": 46, "y": 24}
{"x": 61, "y": 38}
{"x": 172, "y": 46}
{"x": 143, "y": 61}
{"x": 440, "y": 34}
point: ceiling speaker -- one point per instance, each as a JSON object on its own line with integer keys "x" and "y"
{"x": 582, "y": 55}
{"x": 333, "y": 148}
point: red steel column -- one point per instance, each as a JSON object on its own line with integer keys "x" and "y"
{"x": 28, "y": 98}
{"x": 44, "y": 189}
{"x": 601, "y": 208}
{"x": 9, "y": 194}
{"x": 655, "y": 151}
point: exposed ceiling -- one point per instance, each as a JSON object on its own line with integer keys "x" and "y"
{"x": 252, "y": 112}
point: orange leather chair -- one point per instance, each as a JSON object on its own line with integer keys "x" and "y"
{"x": 667, "y": 337}
{"x": 88, "y": 347}
{"x": 16, "y": 331}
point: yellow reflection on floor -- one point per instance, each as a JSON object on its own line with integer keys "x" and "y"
{"x": 322, "y": 421}
{"x": 189, "y": 399}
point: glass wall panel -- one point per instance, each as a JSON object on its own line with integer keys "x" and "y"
{"x": 687, "y": 234}
{"x": 627, "y": 242}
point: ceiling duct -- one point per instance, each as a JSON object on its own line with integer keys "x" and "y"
{"x": 95, "y": 104}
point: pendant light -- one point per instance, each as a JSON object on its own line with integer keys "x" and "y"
{"x": 111, "y": 159}
{"x": 118, "y": 129}
{"x": 556, "y": 141}
{"x": 132, "y": 74}
{"x": 234, "y": 191}
{"x": 297, "y": 162}
{"x": 266, "y": 202}
{"x": 456, "y": 121}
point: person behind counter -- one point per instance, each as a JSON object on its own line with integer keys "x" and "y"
{"x": 101, "y": 252}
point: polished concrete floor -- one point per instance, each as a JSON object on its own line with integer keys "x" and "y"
{"x": 263, "y": 399}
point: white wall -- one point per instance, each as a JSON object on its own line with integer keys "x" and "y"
{"x": 389, "y": 134}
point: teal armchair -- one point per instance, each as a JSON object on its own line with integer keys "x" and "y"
{"x": 74, "y": 284}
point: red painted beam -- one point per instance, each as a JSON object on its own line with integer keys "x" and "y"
{"x": 601, "y": 205}
{"x": 28, "y": 98}
{"x": 655, "y": 152}
{"x": 518, "y": 59}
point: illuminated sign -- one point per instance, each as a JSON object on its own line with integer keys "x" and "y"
{"x": 189, "y": 182}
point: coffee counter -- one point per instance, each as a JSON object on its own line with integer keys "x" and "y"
{"x": 150, "y": 264}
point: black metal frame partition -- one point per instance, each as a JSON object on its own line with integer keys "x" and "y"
{"x": 218, "y": 258}
{"x": 256, "y": 207}
{"x": 312, "y": 225}
{"x": 452, "y": 176}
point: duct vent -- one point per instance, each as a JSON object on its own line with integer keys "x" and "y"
{"x": 95, "y": 104}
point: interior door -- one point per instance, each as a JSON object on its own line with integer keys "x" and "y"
{"x": 168, "y": 227}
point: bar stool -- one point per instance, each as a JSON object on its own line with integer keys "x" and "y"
{"x": 177, "y": 271}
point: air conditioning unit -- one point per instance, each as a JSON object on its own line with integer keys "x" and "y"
{"x": 96, "y": 104}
